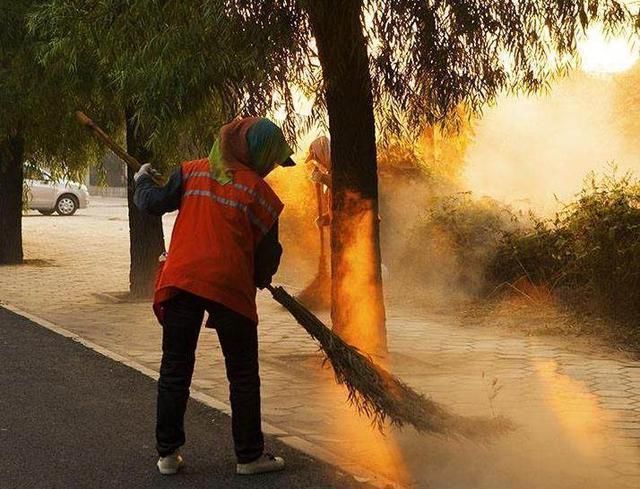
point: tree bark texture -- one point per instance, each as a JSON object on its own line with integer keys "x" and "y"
{"x": 11, "y": 190}
{"x": 358, "y": 312}
{"x": 146, "y": 237}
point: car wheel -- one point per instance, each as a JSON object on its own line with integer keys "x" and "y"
{"x": 47, "y": 212}
{"x": 67, "y": 205}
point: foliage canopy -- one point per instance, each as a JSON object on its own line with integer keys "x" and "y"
{"x": 187, "y": 67}
{"x": 427, "y": 58}
{"x": 36, "y": 103}
{"x": 183, "y": 68}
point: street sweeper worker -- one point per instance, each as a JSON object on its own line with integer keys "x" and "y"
{"x": 224, "y": 245}
{"x": 320, "y": 158}
{"x": 317, "y": 294}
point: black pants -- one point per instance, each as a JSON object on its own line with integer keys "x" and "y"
{"x": 238, "y": 337}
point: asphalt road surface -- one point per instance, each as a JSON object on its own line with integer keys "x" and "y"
{"x": 71, "y": 418}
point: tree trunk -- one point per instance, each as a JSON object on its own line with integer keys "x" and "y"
{"x": 146, "y": 238}
{"x": 357, "y": 310}
{"x": 11, "y": 182}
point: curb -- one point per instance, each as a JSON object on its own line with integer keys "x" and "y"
{"x": 294, "y": 441}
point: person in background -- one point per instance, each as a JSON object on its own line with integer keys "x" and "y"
{"x": 317, "y": 294}
{"x": 224, "y": 245}
{"x": 320, "y": 157}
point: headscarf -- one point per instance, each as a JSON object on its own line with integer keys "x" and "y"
{"x": 253, "y": 142}
{"x": 320, "y": 151}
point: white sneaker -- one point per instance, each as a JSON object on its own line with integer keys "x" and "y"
{"x": 266, "y": 463}
{"x": 170, "y": 464}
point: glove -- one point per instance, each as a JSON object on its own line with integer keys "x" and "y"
{"x": 319, "y": 176}
{"x": 315, "y": 176}
{"x": 146, "y": 169}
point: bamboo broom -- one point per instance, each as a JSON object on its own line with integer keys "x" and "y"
{"x": 379, "y": 395}
{"x": 372, "y": 390}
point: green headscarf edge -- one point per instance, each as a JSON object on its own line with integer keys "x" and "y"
{"x": 267, "y": 148}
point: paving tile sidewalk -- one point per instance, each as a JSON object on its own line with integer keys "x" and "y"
{"x": 578, "y": 411}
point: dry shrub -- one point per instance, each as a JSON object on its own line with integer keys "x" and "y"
{"x": 454, "y": 242}
{"x": 589, "y": 253}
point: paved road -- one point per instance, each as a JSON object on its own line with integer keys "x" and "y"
{"x": 71, "y": 418}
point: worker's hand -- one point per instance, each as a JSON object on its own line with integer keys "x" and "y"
{"x": 146, "y": 169}
{"x": 323, "y": 221}
{"x": 316, "y": 176}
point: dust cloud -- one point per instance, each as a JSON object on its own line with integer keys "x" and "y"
{"x": 527, "y": 152}
{"x": 530, "y": 150}
{"x": 563, "y": 438}
{"x": 534, "y": 152}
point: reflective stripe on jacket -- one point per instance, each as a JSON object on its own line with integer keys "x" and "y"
{"x": 215, "y": 237}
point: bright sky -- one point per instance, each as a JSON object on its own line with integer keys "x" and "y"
{"x": 601, "y": 55}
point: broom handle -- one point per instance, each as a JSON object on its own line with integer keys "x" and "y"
{"x": 119, "y": 151}
{"x": 321, "y": 227}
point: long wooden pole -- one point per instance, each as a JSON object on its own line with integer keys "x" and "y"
{"x": 119, "y": 151}
{"x": 323, "y": 255}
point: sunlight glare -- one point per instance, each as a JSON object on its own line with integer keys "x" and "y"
{"x": 602, "y": 55}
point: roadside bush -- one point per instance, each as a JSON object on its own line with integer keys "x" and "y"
{"x": 539, "y": 252}
{"x": 590, "y": 250}
{"x": 453, "y": 244}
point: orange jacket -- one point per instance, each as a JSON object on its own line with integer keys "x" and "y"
{"x": 215, "y": 237}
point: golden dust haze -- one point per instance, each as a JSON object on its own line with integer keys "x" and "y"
{"x": 527, "y": 151}
{"x": 532, "y": 151}
{"x": 358, "y": 319}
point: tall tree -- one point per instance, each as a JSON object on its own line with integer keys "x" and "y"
{"x": 36, "y": 123}
{"x": 358, "y": 313}
{"x": 11, "y": 178}
{"x": 71, "y": 47}
{"x": 146, "y": 236}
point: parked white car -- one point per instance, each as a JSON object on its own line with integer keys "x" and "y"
{"x": 47, "y": 195}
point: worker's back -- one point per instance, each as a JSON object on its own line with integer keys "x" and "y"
{"x": 216, "y": 235}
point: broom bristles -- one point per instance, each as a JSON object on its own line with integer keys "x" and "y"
{"x": 379, "y": 395}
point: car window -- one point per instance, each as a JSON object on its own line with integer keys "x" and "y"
{"x": 32, "y": 172}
